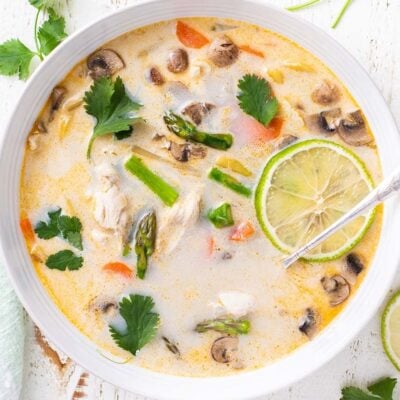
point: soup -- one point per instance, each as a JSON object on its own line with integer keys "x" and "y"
{"x": 143, "y": 187}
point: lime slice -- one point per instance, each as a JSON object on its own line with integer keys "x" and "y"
{"x": 304, "y": 189}
{"x": 391, "y": 330}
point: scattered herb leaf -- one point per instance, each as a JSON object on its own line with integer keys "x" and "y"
{"x": 50, "y": 229}
{"x": 256, "y": 98}
{"x": 221, "y": 216}
{"x": 64, "y": 259}
{"x": 141, "y": 323}
{"x": 381, "y": 390}
{"x": 108, "y": 102}
{"x": 51, "y": 33}
{"x": 39, "y": 4}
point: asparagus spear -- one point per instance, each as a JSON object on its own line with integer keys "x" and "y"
{"x": 229, "y": 181}
{"x": 145, "y": 241}
{"x": 228, "y": 326}
{"x": 155, "y": 183}
{"x": 186, "y": 130}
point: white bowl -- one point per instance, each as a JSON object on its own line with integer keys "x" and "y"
{"x": 60, "y": 331}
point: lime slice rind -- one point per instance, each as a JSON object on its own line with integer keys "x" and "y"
{"x": 287, "y": 154}
{"x": 387, "y": 334}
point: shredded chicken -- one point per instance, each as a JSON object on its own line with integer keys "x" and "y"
{"x": 177, "y": 220}
{"x": 234, "y": 303}
{"x": 111, "y": 202}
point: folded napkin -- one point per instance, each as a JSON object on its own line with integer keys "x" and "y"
{"x": 11, "y": 341}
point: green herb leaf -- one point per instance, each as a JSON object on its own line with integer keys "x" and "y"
{"x": 141, "y": 323}
{"x": 256, "y": 98}
{"x": 51, "y": 33}
{"x": 221, "y": 216}
{"x": 124, "y": 134}
{"x": 384, "y": 388}
{"x": 64, "y": 259}
{"x": 108, "y": 102}
{"x": 69, "y": 228}
{"x": 229, "y": 181}
{"x": 228, "y": 326}
{"x": 50, "y": 229}
{"x": 381, "y": 390}
{"x": 154, "y": 182}
{"x": 41, "y": 3}
{"x": 186, "y": 130}
{"x": 15, "y": 58}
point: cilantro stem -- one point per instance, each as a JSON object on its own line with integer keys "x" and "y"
{"x": 302, "y": 5}
{"x": 341, "y": 13}
{"x": 35, "y": 34}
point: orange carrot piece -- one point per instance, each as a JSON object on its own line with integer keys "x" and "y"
{"x": 250, "y": 50}
{"x": 189, "y": 36}
{"x": 211, "y": 246}
{"x": 273, "y": 130}
{"x": 243, "y": 231}
{"x": 252, "y": 130}
{"x": 27, "y": 230}
{"x": 118, "y": 268}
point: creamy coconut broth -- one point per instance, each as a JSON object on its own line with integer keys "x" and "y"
{"x": 196, "y": 271}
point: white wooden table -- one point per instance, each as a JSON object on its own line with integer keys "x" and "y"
{"x": 371, "y": 32}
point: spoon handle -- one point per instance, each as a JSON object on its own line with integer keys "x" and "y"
{"x": 384, "y": 190}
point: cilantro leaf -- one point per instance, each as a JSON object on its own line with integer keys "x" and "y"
{"x": 49, "y": 230}
{"x": 15, "y": 58}
{"x": 108, "y": 102}
{"x": 353, "y": 393}
{"x": 256, "y": 98}
{"x": 70, "y": 229}
{"x": 41, "y": 3}
{"x": 64, "y": 259}
{"x": 141, "y": 323}
{"x": 384, "y": 388}
{"x": 51, "y": 33}
{"x": 124, "y": 134}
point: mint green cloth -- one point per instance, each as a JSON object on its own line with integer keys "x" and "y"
{"x": 12, "y": 337}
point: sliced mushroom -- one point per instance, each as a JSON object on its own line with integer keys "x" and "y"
{"x": 178, "y": 61}
{"x": 285, "y": 141}
{"x": 171, "y": 346}
{"x": 183, "y": 152}
{"x": 155, "y": 76}
{"x": 226, "y": 255}
{"x": 57, "y": 97}
{"x": 354, "y": 263}
{"x": 197, "y": 111}
{"x": 337, "y": 288}
{"x": 104, "y": 62}
{"x": 106, "y": 307}
{"x": 326, "y": 122}
{"x": 225, "y": 349}
{"x": 326, "y": 93}
{"x": 308, "y": 324}
{"x": 41, "y": 126}
{"x": 353, "y": 129}
{"x": 223, "y": 52}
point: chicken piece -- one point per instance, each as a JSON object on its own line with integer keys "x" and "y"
{"x": 177, "y": 220}
{"x": 111, "y": 202}
{"x": 234, "y": 303}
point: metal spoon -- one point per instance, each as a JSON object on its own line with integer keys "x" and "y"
{"x": 388, "y": 187}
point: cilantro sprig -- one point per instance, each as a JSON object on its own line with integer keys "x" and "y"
{"x": 16, "y": 57}
{"x": 381, "y": 390}
{"x": 256, "y": 98}
{"x": 113, "y": 109}
{"x": 69, "y": 228}
{"x": 141, "y": 323}
{"x": 63, "y": 260}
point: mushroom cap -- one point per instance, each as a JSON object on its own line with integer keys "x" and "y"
{"x": 155, "y": 76}
{"x": 325, "y": 93}
{"x": 104, "y": 62}
{"x": 223, "y": 52}
{"x": 178, "y": 61}
{"x": 225, "y": 349}
{"x": 326, "y": 122}
{"x": 197, "y": 111}
{"x": 353, "y": 130}
{"x": 354, "y": 264}
{"x": 308, "y": 323}
{"x": 337, "y": 288}
{"x": 57, "y": 97}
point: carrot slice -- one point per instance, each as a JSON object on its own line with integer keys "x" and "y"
{"x": 250, "y": 50}
{"x": 27, "y": 230}
{"x": 189, "y": 36}
{"x": 118, "y": 268}
{"x": 210, "y": 246}
{"x": 273, "y": 130}
{"x": 251, "y": 130}
{"x": 243, "y": 231}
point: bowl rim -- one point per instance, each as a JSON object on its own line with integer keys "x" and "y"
{"x": 43, "y": 311}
